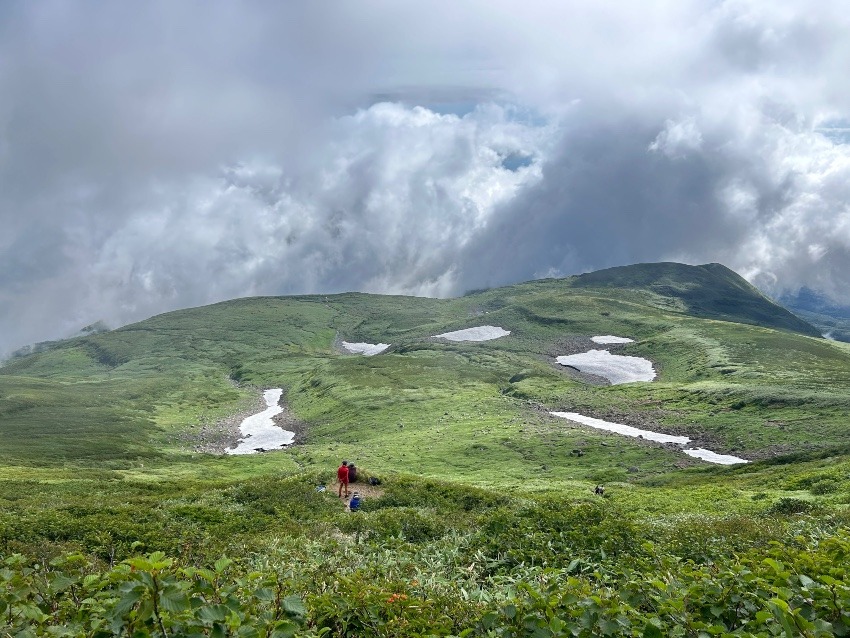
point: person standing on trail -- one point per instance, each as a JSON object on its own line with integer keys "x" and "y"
{"x": 342, "y": 475}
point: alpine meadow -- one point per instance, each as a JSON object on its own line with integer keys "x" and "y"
{"x": 121, "y": 514}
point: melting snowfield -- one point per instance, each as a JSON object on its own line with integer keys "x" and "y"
{"x": 627, "y": 430}
{"x": 714, "y": 457}
{"x": 614, "y": 367}
{"x": 259, "y": 431}
{"x": 481, "y": 333}
{"x": 368, "y": 349}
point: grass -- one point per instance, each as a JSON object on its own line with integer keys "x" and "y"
{"x": 95, "y": 428}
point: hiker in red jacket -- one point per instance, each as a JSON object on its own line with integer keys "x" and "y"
{"x": 342, "y": 475}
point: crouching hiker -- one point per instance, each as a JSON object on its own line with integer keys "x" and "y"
{"x": 600, "y": 490}
{"x": 354, "y": 503}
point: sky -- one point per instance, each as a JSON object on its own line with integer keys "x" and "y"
{"x": 161, "y": 155}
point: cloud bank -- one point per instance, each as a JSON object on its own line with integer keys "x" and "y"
{"x": 175, "y": 154}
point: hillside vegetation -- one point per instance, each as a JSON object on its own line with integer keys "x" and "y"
{"x": 485, "y": 522}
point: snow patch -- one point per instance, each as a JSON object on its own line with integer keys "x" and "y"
{"x": 616, "y": 368}
{"x": 368, "y": 349}
{"x": 611, "y": 339}
{"x": 714, "y": 457}
{"x": 480, "y": 333}
{"x": 259, "y": 431}
{"x": 627, "y": 430}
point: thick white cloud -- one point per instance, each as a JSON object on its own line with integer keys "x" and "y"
{"x": 169, "y": 154}
{"x": 389, "y": 198}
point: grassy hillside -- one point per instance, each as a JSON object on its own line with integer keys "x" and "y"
{"x": 711, "y": 291}
{"x": 101, "y": 436}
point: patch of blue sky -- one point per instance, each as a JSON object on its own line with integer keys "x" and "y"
{"x": 515, "y": 161}
{"x": 513, "y": 112}
{"x": 461, "y": 102}
{"x": 837, "y": 131}
{"x": 459, "y": 109}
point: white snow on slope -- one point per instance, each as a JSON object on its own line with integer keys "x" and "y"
{"x": 480, "y": 333}
{"x": 627, "y": 430}
{"x": 368, "y": 349}
{"x": 714, "y": 457}
{"x": 616, "y": 368}
{"x": 611, "y": 339}
{"x": 259, "y": 430}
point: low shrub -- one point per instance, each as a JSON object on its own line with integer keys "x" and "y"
{"x": 552, "y": 533}
{"x": 787, "y": 505}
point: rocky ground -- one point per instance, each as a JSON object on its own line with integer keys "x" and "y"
{"x": 288, "y": 421}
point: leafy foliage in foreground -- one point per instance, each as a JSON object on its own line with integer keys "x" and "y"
{"x": 798, "y": 589}
{"x": 144, "y": 596}
{"x": 429, "y": 558}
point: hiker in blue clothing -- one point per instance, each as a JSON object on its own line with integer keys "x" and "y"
{"x": 354, "y": 503}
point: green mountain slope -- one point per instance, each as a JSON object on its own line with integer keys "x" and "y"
{"x": 711, "y": 291}
{"x": 175, "y": 372}
{"x": 486, "y": 521}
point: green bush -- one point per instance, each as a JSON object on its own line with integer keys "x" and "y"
{"x": 404, "y": 523}
{"x": 361, "y": 607}
{"x": 825, "y": 486}
{"x": 705, "y": 538}
{"x": 552, "y": 533}
{"x": 787, "y": 505}
{"x": 144, "y": 596}
{"x": 794, "y": 588}
{"x": 788, "y": 591}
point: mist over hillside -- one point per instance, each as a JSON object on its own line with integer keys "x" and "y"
{"x": 833, "y": 320}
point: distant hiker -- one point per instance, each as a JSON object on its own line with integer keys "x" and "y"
{"x": 600, "y": 490}
{"x": 342, "y": 475}
{"x": 354, "y": 503}
{"x": 352, "y": 473}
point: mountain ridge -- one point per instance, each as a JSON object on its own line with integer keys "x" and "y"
{"x": 711, "y": 291}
